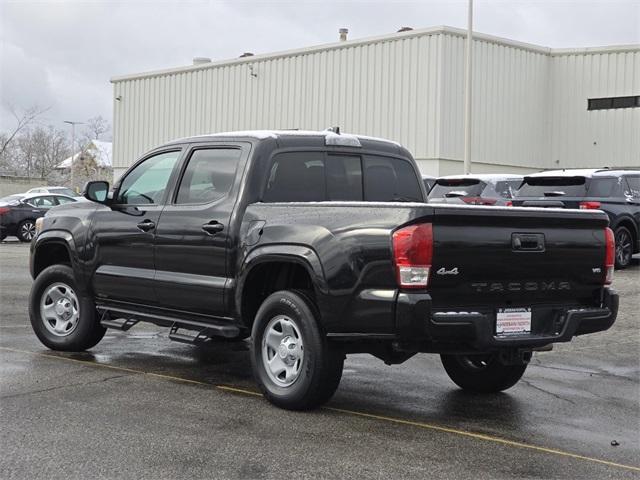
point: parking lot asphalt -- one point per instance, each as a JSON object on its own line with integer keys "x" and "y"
{"x": 140, "y": 406}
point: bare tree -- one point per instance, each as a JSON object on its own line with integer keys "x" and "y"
{"x": 97, "y": 126}
{"x": 23, "y": 121}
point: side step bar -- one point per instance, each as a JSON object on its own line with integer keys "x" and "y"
{"x": 122, "y": 324}
{"x": 128, "y": 318}
{"x": 200, "y": 337}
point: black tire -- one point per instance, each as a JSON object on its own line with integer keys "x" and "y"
{"x": 26, "y": 230}
{"x": 320, "y": 368}
{"x": 624, "y": 247}
{"x": 481, "y": 373}
{"x": 87, "y": 331}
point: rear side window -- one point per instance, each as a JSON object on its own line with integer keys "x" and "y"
{"x": 316, "y": 177}
{"x": 633, "y": 190}
{"x": 42, "y": 202}
{"x": 389, "y": 180}
{"x": 209, "y": 175}
{"x": 457, "y": 187}
{"x": 553, "y": 187}
{"x": 601, "y": 187}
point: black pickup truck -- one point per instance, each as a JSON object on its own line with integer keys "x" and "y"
{"x": 315, "y": 245}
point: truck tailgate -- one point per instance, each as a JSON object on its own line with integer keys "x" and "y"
{"x": 517, "y": 256}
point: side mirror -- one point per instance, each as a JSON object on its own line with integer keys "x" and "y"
{"x": 96, "y": 191}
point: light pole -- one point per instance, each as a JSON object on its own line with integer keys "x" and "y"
{"x": 467, "y": 91}
{"x": 73, "y": 141}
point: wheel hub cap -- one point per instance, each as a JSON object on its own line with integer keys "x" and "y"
{"x": 282, "y": 351}
{"x": 59, "y": 309}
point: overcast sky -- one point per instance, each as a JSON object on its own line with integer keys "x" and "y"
{"x": 61, "y": 54}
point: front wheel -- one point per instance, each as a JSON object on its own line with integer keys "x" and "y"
{"x": 61, "y": 317}
{"x": 624, "y": 247}
{"x": 295, "y": 366}
{"x": 482, "y": 373}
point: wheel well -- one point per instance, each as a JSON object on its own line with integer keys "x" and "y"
{"x": 269, "y": 277}
{"x": 628, "y": 224}
{"x": 50, "y": 254}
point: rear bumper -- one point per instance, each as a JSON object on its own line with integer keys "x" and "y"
{"x": 440, "y": 331}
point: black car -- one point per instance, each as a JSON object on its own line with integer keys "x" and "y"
{"x": 316, "y": 245}
{"x": 18, "y": 213}
{"x": 485, "y": 189}
{"x": 616, "y": 192}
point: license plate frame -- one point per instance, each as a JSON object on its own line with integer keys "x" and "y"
{"x": 513, "y": 321}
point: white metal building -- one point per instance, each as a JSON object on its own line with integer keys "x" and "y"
{"x": 533, "y": 107}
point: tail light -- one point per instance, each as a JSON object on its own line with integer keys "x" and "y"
{"x": 589, "y": 205}
{"x": 4, "y": 210}
{"x": 610, "y": 255}
{"x": 508, "y": 203}
{"x": 412, "y": 255}
{"x": 479, "y": 201}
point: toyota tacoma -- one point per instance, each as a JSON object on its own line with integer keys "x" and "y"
{"x": 313, "y": 246}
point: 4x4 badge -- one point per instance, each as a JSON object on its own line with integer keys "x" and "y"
{"x": 444, "y": 271}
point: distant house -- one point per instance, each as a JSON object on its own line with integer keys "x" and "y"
{"x": 96, "y": 150}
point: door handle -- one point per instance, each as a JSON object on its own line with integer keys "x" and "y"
{"x": 212, "y": 227}
{"x": 146, "y": 225}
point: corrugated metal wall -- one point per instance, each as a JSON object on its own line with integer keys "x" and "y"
{"x": 387, "y": 89}
{"x": 582, "y": 138}
{"x": 529, "y": 108}
{"x": 510, "y": 105}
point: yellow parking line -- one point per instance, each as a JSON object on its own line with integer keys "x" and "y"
{"x": 398, "y": 421}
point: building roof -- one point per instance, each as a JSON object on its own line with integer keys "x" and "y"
{"x": 101, "y": 152}
{"x": 437, "y": 30}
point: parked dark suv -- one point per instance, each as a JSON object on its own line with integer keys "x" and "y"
{"x": 485, "y": 189}
{"x": 616, "y": 192}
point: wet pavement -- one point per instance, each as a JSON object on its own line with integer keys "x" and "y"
{"x": 140, "y": 406}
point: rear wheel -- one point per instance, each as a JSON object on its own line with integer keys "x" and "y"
{"x": 481, "y": 373}
{"x": 624, "y": 247}
{"x": 61, "y": 317}
{"x": 26, "y": 230}
{"x": 295, "y": 366}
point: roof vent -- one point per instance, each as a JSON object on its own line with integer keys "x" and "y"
{"x": 343, "y": 34}
{"x": 405, "y": 29}
{"x": 246, "y": 54}
{"x": 201, "y": 60}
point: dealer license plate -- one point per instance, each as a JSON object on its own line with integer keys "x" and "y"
{"x": 513, "y": 321}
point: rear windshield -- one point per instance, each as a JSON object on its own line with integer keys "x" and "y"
{"x": 317, "y": 177}
{"x": 463, "y": 187}
{"x": 553, "y": 187}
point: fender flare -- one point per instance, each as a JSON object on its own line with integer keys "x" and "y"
{"x": 60, "y": 237}
{"x": 302, "y": 255}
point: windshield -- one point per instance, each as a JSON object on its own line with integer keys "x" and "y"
{"x": 469, "y": 187}
{"x": 63, "y": 191}
{"x": 553, "y": 187}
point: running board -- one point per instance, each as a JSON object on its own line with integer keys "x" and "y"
{"x": 122, "y": 324}
{"x": 128, "y": 318}
{"x": 200, "y": 337}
